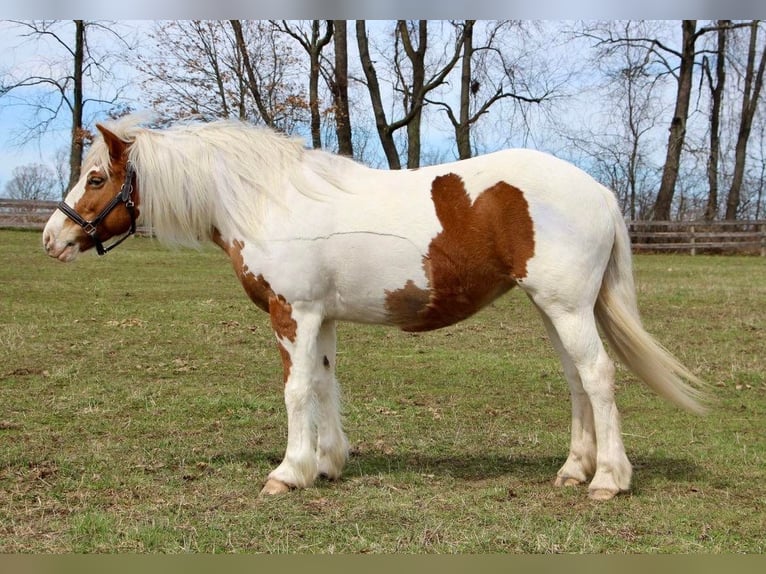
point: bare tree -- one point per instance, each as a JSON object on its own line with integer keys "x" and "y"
{"x": 420, "y": 81}
{"x": 758, "y": 160}
{"x": 219, "y": 69}
{"x": 716, "y": 85}
{"x": 678, "y": 62}
{"x": 64, "y": 83}
{"x": 487, "y": 76}
{"x": 677, "y": 131}
{"x": 313, "y": 43}
{"x": 385, "y": 130}
{"x": 413, "y": 80}
{"x": 61, "y": 169}
{"x": 632, "y": 88}
{"x": 251, "y": 78}
{"x": 616, "y": 138}
{"x": 31, "y": 182}
{"x": 338, "y": 83}
{"x": 753, "y": 82}
{"x": 268, "y": 73}
{"x": 192, "y": 70}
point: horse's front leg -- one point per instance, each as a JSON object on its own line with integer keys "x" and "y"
{"x": 297, "y": 327}
{"x": 332, "y": 450}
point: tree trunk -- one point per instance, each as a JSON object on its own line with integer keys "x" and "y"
{"x": 250, "y": 79}
{"x": 340, "y": 92}
{"x": 207, "y": 35}
{"x": 678, "y": 125}
{"x": 716, "y": 91}
{"x": 315, "y": 50}
{"x": 384, "y": 131}
{"x": 632, "y": 184}
{"x": 76, "y": 152}
{"x": 474, "y": 99}
{"x": 414, "y": 89}
{"x": 414, "y": 100}
{"x": 753, "y": 83}
{"x": 463, "y": 128}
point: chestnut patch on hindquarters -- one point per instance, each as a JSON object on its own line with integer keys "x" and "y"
{"x": 480, "y": 253}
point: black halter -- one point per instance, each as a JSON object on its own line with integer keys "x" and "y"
{"x": 91, "y": 227}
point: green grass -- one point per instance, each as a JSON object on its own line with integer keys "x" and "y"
{"x": 141, "y": 409}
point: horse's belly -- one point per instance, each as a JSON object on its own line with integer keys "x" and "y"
{"x": 414, "y": 309}
{"x": 414, "y": 289}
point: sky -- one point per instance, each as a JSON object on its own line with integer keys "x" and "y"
{"x": 22, "y": 57}
{"x": 25, "y": 56}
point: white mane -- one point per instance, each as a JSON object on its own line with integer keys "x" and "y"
{"x": 193, "y": 176}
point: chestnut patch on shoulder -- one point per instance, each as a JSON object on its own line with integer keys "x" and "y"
{"x": 282, "y": 321}
{"x": 261, "y": 293}
{"x": 480, "y": 253}
{"x": 256, "y": 287}
{"x": 285, "y": 327}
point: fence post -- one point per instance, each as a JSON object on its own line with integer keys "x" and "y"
{"x": 762, "y": 226}
{"x": 692, "y": 240}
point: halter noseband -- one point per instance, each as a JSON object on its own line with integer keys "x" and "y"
{"x": 91, "y": 227}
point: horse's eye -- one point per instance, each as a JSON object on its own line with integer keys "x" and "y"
{"x": 96, "y": 181}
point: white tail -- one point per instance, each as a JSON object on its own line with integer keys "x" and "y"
{"x": 617, "y": 315}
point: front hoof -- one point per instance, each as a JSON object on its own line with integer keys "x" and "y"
{"x": 273, "y": 487}
{"x": 566, "y": 481}
{"x": 602, "y": 494}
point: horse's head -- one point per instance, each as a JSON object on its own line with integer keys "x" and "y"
{"x": 103, "y": 204}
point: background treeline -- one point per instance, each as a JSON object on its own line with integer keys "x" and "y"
{"x": 669, "y": 114}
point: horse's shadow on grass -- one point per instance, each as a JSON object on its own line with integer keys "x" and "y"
{"x": 530, "y": 468}
{"x": 527, "y": 468}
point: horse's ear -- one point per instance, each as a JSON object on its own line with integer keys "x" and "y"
{"x": 114, "y": 144}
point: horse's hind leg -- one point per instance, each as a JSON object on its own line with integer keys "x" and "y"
{"x": 578, "y": 336}
{"x": 581, "y": 462}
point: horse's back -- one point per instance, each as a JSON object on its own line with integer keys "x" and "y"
{"x": 422, "y": 249}
{"x": 476, "y": 228}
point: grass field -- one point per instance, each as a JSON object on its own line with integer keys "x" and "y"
{"x": 141, "y": 409}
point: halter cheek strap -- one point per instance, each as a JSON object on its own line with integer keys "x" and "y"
{"x": 91, "y": 227}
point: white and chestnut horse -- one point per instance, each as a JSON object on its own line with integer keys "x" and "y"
{"x": 317, "y": 238}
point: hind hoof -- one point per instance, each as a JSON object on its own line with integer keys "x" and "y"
{"x": 602, "y": 494}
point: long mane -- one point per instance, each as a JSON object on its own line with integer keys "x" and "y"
{"x": 193, "y": 176}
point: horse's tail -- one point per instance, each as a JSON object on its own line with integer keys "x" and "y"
{"x": 617, "y": 315}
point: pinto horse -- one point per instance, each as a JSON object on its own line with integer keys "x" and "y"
{"x": 316, "y": 238}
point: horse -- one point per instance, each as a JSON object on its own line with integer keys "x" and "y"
{"x": 316, "y": 238}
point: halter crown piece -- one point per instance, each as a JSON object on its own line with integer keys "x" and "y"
{"x": 91, "y": 227}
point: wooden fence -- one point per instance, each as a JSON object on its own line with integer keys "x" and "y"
{"x": 699, "y": 236}
{"x": 24, "y": 214}
{"x": 680, "y": 236}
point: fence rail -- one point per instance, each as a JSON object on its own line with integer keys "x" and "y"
{"x": 684, "y": 236}
{"x": 699, "y": 236}
{"x": 24, "y": 214}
